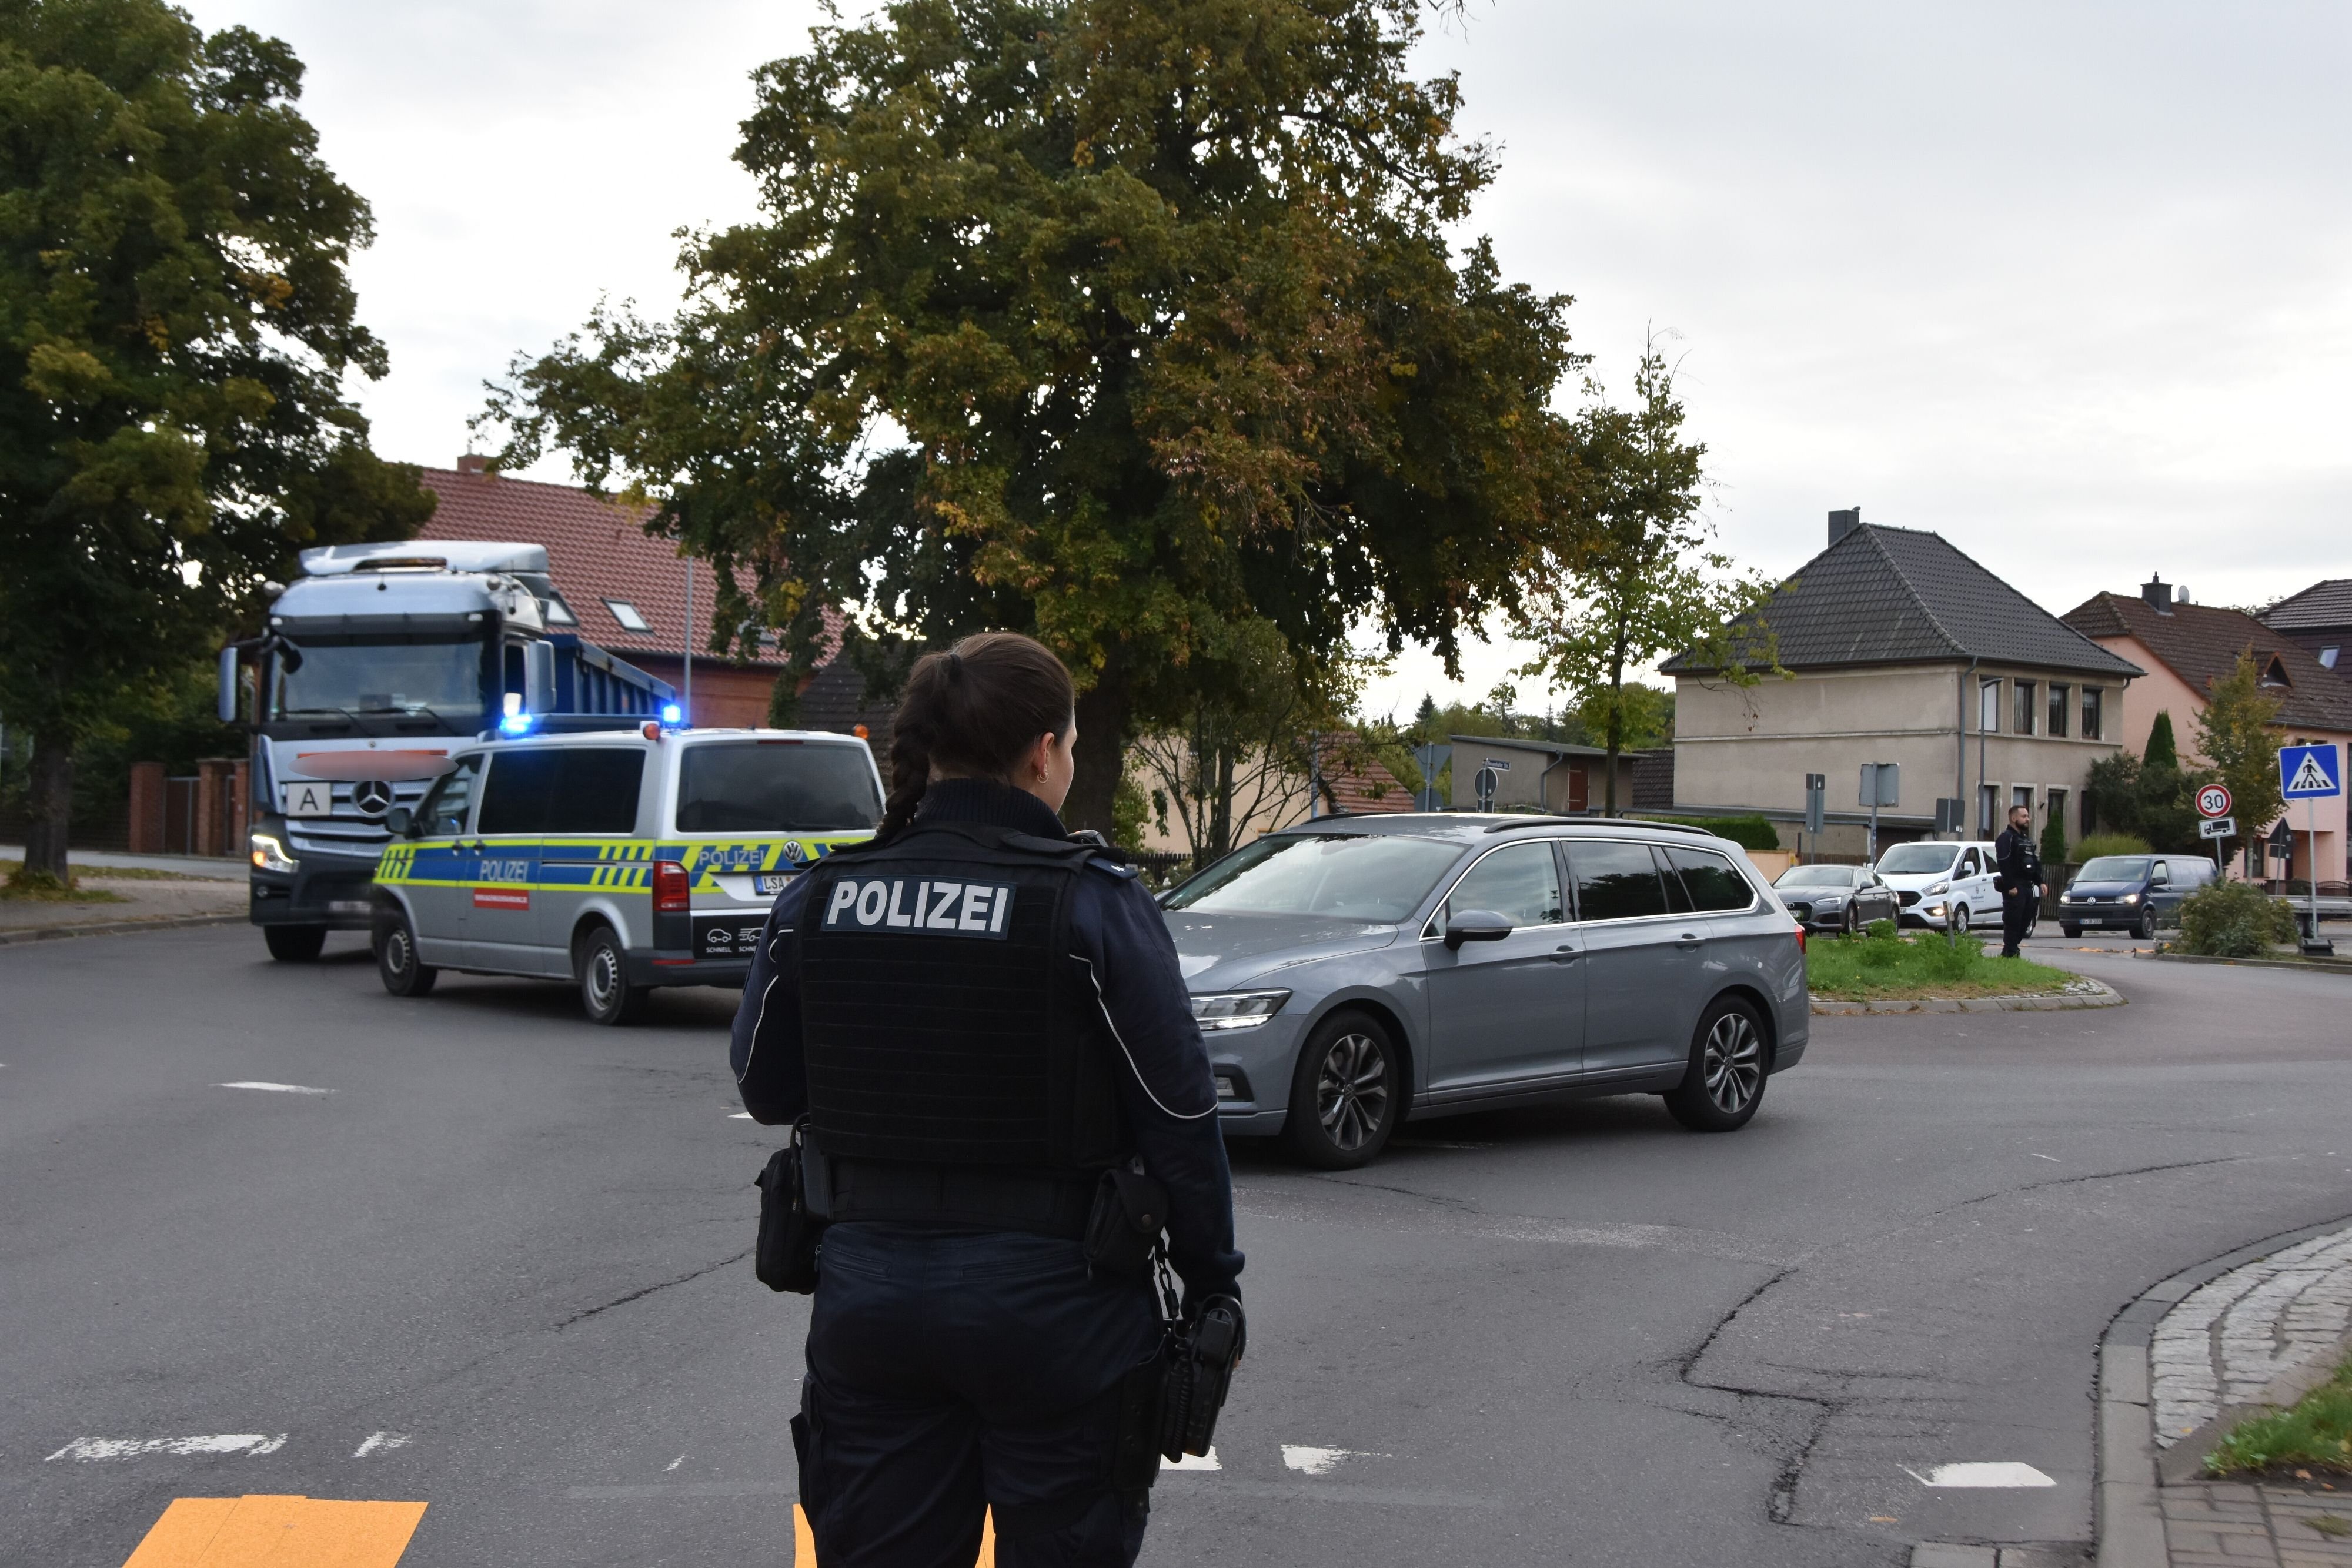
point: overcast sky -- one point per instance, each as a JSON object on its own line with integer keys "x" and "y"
{"x": 2069, "y": 285}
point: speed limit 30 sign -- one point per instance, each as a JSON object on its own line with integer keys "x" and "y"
{"x": 2212, "y": 802}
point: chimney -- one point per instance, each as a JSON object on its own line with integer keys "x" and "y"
{"x": 473, "y": 463}
{"x": 1844, "y": 523}
{"x": 2157, "y": 593}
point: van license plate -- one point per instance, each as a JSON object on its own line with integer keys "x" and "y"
{"x": 772, "y": 881}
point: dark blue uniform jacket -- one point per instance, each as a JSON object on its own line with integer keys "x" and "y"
{"x": 1170, "y": 1094}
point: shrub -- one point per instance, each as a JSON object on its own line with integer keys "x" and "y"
{"x": 2234, "y": 920}
{"x": 2098, "y": 844}
{"x": 1754, "y": 832}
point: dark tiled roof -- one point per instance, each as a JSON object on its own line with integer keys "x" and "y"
{"x": 2200, "y": 643}
{"x": 2323, "y": 607}
{"x": 1900, "y": 596}
{"x": 1654, "y": 779}
{"x": 596, "y": 551}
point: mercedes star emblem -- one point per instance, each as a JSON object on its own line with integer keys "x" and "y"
{"x": 373, "y": 797}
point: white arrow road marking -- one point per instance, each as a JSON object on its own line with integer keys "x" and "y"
{"x": 253, "y": 1443}
{"x": 277, "y": 1088}
{"x": 382, "y": 1443}
{"x": 1207, "y": 1461}
{"x": 1997, "y": 1473}
{"x": 1322, "y": 1461}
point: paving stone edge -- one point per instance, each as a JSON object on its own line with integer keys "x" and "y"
{"x": 32, "y": 934}
{"x": 2103, "y": 996}
{"x": 2300, "y": 966}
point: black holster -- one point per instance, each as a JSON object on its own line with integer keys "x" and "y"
{"x": 785, "y": 1256}
{"x": 1202, "y": 1352}
{"x": 1124, "y": 1225}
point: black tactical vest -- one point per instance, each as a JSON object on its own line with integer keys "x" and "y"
{"x": 944, "y": 1021}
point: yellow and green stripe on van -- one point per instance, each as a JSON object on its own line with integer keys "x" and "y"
{"x": 559, "y": 864}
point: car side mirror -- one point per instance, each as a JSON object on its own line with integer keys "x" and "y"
{"x": 402, "y": 821}
{"x": 1476, "y": 925}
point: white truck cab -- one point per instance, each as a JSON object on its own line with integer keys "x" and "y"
{"x": 620, "y": 860}
{"x": 1939, "y": 882}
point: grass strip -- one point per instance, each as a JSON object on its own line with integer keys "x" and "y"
{"x": 9, "y": 869}
{"x": 2313, "y": 1433}
{"x": 1887, "y": 966}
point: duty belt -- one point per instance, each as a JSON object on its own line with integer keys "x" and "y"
{"x": 849, "y": 1190}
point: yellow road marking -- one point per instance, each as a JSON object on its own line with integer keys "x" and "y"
{"x": 805, "y": 1544}
{"x": 265, "y": 1532}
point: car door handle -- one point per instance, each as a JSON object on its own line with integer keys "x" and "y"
{"x": 1689, "y": 939}
{"x": 1564, "y": 953}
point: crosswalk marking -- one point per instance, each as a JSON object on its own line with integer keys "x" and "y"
{"x": 278, "y": 1531}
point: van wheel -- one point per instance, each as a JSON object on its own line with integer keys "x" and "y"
{"x": 2147, "y": 926}
{"x": 294, "y": 944}
{"x": 1347, "y": 1095}
{"x": 395, "y": 959}
{"x": 1725, "y": 1082}
{"x": 603, "y": 971}
{"x": 2070, "y": 930}
{"x": 1959, "y": 920}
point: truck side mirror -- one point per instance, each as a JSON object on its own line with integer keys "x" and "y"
{"x": 228, "y": 685}
{"x": 402, "y": 821}
{"x": 538, "y": 677}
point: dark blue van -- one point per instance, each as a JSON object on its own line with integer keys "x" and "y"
{"x": 2130, "y": 893}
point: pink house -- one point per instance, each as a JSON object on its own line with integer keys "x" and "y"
{"x": 2185, "y": 647}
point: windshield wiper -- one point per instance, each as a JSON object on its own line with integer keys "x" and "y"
{"x": 293, "y": 712}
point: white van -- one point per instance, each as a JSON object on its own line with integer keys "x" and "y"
{"x": 1940, "y": 881}
{"x": 620, "y": 860}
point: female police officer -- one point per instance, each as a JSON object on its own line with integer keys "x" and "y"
{"x": 979, "y": 1016}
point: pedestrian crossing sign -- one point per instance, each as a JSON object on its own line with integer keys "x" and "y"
{"x": 2310, "y": 772}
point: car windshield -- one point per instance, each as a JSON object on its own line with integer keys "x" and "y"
{"x": 776, "y": 787}
{"x": 380, "y": 677}
{"x": 1915, "y": 860}
{"x": 2115, "y": 868}
{"x": 1816, "y": 877}
{"x": 1370, "y": 877}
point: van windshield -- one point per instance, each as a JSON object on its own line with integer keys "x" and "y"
{"x": 777, "y": 787}
{"x": 1916, "y": 859}
{"x": 1355, "y": 876}
{"x": 2115, "y": 868}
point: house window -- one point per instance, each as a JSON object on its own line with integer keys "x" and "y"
{"x": 626, "y": 614}
{"x": 2090, "y": 817}
{"x": 2059, "y": 697}
{"x": 2025, "y": 706}
{"x": 2021, "y": 795}
{"x": 2057, "y": 809}
{"x": 1988, "y": 707}
{"x": 2091, "y": 697}
{"x": 1988, "y": 807}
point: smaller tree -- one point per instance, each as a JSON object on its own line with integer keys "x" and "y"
{"x": 2164, "y": 812}
{"x": 2054, "y": 839}
{"x": 2113, "y": 791}
{"x": 1637, "y": 578}
{"x": 2235, "y": 731}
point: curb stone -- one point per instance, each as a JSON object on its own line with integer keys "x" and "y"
{"x": 2300, "y": 966}
{"x": 2091, "y": 994}
{"x": 31, "y": 934}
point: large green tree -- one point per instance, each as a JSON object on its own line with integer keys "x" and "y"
{"x": 176, "y": 326}
{"x": 2238, "y": 733}
{"x": 1632, "y": 573}
{"x": 1122, "y": 322}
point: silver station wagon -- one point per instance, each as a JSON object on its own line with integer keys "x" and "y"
{"x": 1354, "y": 974}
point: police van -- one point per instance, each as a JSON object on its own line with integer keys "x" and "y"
{"x": 620, "y": 860}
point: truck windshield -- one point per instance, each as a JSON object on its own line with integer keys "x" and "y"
{"x": 381, "y": 677}
{"x": 1355, "y": 876}
{"x": 776, "y": 787}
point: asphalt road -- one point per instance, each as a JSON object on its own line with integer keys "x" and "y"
{"x": 501, "y": 1270}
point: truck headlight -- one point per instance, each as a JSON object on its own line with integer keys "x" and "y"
{"x": 270, "y": 854}
{"x": 1235, "y": 1009}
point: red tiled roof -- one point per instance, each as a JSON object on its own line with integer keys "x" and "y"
{"x": 1356, "y": 781}
{"x": 2200, "y": 643}
{"x": 596, "y": 551}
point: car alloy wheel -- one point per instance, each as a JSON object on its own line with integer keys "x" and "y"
{"x": 1725, "y": 1081}
{"x": 1347, "y": 1094}
{"x": 1853, "y": 920}
{"x": 1351, "y": 1091}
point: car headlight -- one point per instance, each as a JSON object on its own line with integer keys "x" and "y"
{"x": 1235, "y": 1009}
{"x": 270, "y": 854}
{"x": 2128, "y": 898}
{"x": 1940, "y": 887}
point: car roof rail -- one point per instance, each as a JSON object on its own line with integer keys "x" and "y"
{"x": 1602, "y": 822}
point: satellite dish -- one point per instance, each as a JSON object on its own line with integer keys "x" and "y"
{"x": 2181, "y": 595}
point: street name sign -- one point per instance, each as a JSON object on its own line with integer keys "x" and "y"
{"x": 2218, "y": 828}
{"x": 2213, "y": 800}
{"x": 2310, "y": 772}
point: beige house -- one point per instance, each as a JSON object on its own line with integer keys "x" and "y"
{"x": 1548, "y": 776}
{"x": 1901, "y": 650}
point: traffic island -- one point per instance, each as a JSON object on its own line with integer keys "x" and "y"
{"x": 1886, "y": 972}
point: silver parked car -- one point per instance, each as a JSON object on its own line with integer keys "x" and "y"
{"x": 1353, "y": 974}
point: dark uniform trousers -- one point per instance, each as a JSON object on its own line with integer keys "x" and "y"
{"x": 2016, "y": 919}
{"x": 2021, "y": 872}
{"x": 952, "y": 1372}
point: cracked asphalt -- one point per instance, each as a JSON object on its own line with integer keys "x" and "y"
{"x": 501, "y": 1270}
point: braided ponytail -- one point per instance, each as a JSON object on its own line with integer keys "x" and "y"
{"x": 973, "y": 710}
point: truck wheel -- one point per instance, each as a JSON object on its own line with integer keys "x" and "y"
{"x": 294, "y": 944}
{"x": 395, "y": 959}
{"x": 604, "y": 970}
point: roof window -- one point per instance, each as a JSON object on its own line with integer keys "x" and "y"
{"x": 2274, "y": 673}
{"x": 2327, "y": 657}
{"x": 626, "y": 614}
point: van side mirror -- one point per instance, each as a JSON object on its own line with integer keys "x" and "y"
{"x": 1476, "y": 925}
{"x": 402, "y": 821}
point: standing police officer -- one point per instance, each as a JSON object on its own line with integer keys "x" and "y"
{"x": 979, "y": 1016}
{"x": 2019, "y": 881}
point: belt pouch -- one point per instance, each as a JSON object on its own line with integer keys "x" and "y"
{"x": 785, "y": 1255}
{"x": 1129, "y": 1211}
